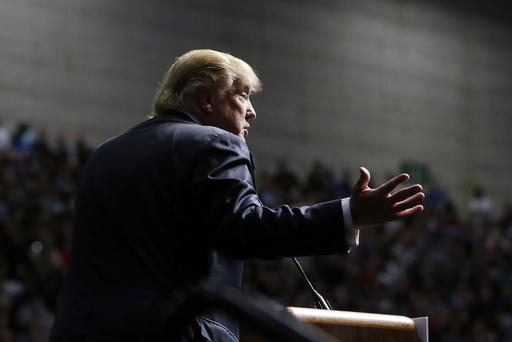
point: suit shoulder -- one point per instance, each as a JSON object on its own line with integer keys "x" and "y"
{"x": 200, "y": 132}
{"x": 209, "y": 136}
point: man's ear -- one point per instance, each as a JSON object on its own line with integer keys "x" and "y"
{"x": 205, "y": 100}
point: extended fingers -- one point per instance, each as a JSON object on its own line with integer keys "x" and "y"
{"x": 409, "y": 202}
{"x": 393, "y": 183}
{"x": 409, "y": 212}
{"x": 405, "y": 193}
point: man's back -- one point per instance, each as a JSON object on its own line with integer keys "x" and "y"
{"x": 132, "y": 243}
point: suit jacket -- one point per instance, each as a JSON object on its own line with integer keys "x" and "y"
{"x": 164, "y": 205}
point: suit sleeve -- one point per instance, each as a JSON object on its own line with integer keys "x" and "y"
{"x": 234, "y": 221}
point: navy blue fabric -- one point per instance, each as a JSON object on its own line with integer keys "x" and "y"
{"x": 162, "y": 206}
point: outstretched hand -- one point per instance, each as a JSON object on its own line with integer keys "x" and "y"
{"x": 371, "y": 207}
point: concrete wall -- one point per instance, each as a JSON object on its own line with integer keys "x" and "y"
{"x": 347, "y": 82}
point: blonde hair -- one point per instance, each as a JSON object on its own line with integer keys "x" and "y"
{"x": 201, "y": 68}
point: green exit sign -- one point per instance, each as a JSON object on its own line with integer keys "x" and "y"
{"x": 419, "y": 172}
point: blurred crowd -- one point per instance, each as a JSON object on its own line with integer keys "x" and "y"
{"x": 37, "y": 183}
{"x": 438, "y": 264}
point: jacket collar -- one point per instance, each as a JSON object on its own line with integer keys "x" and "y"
{"x": 180, "y": 114}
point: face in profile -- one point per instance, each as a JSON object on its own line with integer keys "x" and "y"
{"x": 232, "y": 110}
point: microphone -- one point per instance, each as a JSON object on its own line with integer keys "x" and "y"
{"x": 320, "y": 302}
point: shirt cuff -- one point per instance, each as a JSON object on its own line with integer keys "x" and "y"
{"x": 351, "y": 233}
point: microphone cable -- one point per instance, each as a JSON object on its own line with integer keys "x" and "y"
{"x": 320, "y": 302}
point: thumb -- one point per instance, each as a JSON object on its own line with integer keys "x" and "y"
{"x": 364, "y": 179}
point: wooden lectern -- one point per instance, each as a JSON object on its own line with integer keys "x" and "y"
{"x": 358, "y": 326}
{"x": 349, "y": 326}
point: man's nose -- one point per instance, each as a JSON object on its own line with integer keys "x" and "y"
{"x": 251, "y": 113}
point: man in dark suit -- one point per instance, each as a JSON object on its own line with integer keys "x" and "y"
{"x": 172, "y": 201}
